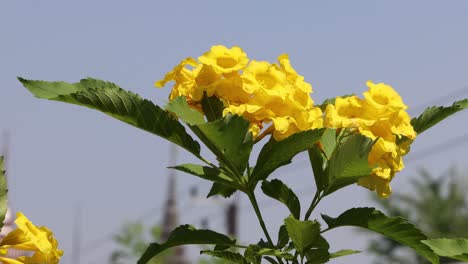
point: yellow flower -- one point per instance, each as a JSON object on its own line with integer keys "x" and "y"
{"x": 29, "y": 237}
{"x": 224, "y": 60}
{"x": 380, "y": 116}
{"x": 261, "y": 92}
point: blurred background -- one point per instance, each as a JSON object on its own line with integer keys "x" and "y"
{"x": 91, "y": 178}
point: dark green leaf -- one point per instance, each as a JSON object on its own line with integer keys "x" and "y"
{"x": 318, "y": 162}
{"x": 276, "y": 154}
{"x": 186, "y": 235}
{"x": 212, "y": 107}
{"x": 3, "y": 192}
{"x": 221, "y": 189}
{"x": 118, "y": 103}
{"x": 207, "y": 173}
{"x": 435, "y": 114}
{"x": 276, "y": 189}
{"x": 231, "y": 257}
{"x": 344, "y": 252}
{"x": 395, "y": 228}
{"x": 182, "y": 110}
{"x": 317, "y": 256}
{"x": 349, "y": 162}
{"x": 229, "y": 139}
{"x": 283, "y": 237}
{"x": 452, "y": 248}
{"x": 304, "y": 234}
{"x": 329, "y": 142}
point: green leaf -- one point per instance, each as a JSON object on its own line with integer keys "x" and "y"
{"x": 118, "y": 103}
{"x": 212, "y": 107}
{"x": 317, "y": 256}
{"x": 276, "y": 189}
{"x": 318, "y": 162}
{"x": 229, "y": 139}
{"x": 344, "y": 252}
{"x": 452, "y": 248}
{"x": 3, "y": 192}
{"x": 254, "y": 253}
{"x": 435, "y": 114}
{"x": 207, "y": 173}
{"x": 349, "y": 162}
{"x": 231, "y": 257}
{"x": 329, "y": 141}
{"x": 182, "y": 110}
{"x": 221, "y": 189}
{"x": 302, "y": 233}
{"x": 276, "y": 154}
{"x": 283, "y": 237}
{"x": 395, "y": 228}
{"x": 186, "y": 235}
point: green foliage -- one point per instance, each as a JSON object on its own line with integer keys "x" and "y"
{"x": 435, "y": 114}
{"x": 276, "y": 189}
{"x": 207, "y": 173}
{"x": 344, "y": 252}
{"x": 186, "y": 235}
{"x": 3, "y": 192}
{"x": 229, "y": 139}
{"x": 230, "y": 257}
{"x": 452, "y": 248}
{"x": 348, "y": 161}
{"x": 437, "y": 203}
{"x": 396, "y": 228}
{"x": 182, "y": 110}
{"x": 118, "y": 103}
{"x": 212, "y": 108}
{"x": 276, "y": 154}
{"x": 303, "y": 234}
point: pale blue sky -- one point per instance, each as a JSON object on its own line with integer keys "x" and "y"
{"x": 63, "y": 155}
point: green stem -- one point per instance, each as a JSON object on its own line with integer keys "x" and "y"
{"x": 313, "y": 204}
{"x": 254, "y": 203}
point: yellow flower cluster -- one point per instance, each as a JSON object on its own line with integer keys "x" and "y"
{"x": 30, "y": 238}
{"x": 259, "y": 91}
{"x": 380, "y": 115}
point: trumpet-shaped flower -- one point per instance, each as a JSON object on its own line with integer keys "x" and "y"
{"x": 28, "y": 237}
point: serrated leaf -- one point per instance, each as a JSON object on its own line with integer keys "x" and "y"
{"x": 221, "y": 189}
{"x": 435, "y": 114}
{"x": 277, "y": 190}
{"x": 344, "y": 252}
{"x": 114, "y": 101}
{"x": 204, "y": 172}
{"x": 349, "y": 162}
{"x": 212, "y": 107}
{"x": 229, "y": 139}
{"x": 276, "y": 154}
{"x": 232, "y": 257}
{"x": 452, "y": 248}
{"x": 182, "y": 110}
{"x": 186, "y": 235}
{"x": 3, "y": 192}
{"x": 302, "y": 233}
{"x": 396, "y": 228}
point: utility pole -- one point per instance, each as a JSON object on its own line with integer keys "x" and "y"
{"x": 171, "y": 214}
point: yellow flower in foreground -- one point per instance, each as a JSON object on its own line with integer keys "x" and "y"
{"x": 261, "y": 92}
{"x": 28, "y": 237}
{"x": 381, "y": 116}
